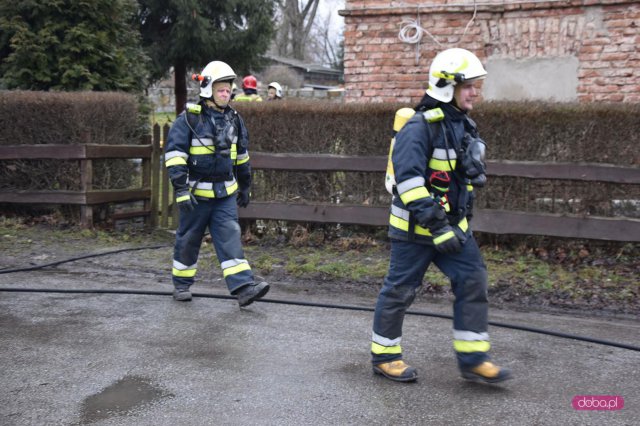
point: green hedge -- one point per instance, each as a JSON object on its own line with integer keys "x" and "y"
{"x": 33, "y": 118}
{"x": 598, "y": 133}
{"x": 29, "y": 118}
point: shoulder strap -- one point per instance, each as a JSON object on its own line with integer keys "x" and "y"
{"x": 434, "y": 118}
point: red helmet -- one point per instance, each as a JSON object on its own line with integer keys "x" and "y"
{"x": 249, "y": 82}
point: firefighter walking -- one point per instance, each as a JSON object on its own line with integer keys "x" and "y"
{"x": 208, "y": 163}
{"x": 437, "y": 160}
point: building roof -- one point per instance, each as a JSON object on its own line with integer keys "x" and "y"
{"x": 305, "y": 66}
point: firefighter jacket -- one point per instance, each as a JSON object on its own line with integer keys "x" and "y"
{"x": 430, "y": 143}
{"x": 206, "y": 152}
{"x": 252, "y": 97}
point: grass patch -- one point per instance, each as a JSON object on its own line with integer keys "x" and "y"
{"x": 333, "y": 264}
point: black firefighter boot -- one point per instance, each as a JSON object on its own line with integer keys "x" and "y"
{"x": 249, "y": 293}
{"x": 182, "y": 295}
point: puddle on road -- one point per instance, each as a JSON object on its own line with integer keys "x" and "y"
{"x": 124, "y": 396}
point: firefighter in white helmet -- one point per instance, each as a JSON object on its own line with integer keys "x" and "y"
{"x": 208, "y": 163}
{"x": 274, "y": 91}
{"x": 437, "y": 159}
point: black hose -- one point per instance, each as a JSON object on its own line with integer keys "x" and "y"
{"x": 331, "y": 306}
{"x": 60, "y": 262}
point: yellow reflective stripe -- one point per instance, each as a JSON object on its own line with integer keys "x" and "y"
{"x": 447, "y": 207}
{"x": 242, "y": 161}
{"x": 464, "y": 225}
{"x": 236, "y": 269}
{"x": 467, "y": 346}
{"x": 183, "y": 198}
{"x": 207, "y": 193}
{"x": 414, "y": 194}
{"x": 234, "y": 151}
{"x": 175, "y": 161}
{"x": 379, "y": 349}
{"x": 402, "y": 224}
{"x": 186, "y": 273}
{"x": 201, "y": 150}
{"x": 469, "y": 188}
{"x": 435, "y": 164}
{"x": 231, "y": 189}
{"x": 444, "y": 237}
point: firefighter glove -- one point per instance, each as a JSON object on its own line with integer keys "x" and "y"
{"x": 445, "y": 240}
{"x": 243, "y": 197}
{"x": 432, "y": 215}
{"x": 460, "y": 234}
{"x": 186, "y": 201}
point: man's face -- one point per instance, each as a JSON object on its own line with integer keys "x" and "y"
{"x": 222, "y": 93}
{"x": 464, "y": 95}
{"x": 271, "y": 93}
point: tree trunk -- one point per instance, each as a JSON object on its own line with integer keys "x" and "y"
{"x": 180, "y": 85}
{"x": 297, "y": 25}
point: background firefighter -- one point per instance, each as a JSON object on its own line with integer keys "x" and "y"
{"x": 437, "y": 160}
{"x": 274, "y": 91}
{"x": 208, "y": 163}
{"x": 249, "y": 90}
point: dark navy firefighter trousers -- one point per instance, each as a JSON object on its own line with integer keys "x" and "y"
{"x": 468, "y": 274}
{"x": 220, "y": 216}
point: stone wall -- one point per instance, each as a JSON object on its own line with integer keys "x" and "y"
{"x": 557, "y": 50}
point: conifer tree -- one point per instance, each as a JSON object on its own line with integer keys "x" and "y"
{"x": 71, "y": 45}
{"x": 188, "y": 34}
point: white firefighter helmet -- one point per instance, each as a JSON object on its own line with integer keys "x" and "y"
{"x": 215, "y": 71}
{"x": 450, "y": 67}
{"x": 278, "y": 88}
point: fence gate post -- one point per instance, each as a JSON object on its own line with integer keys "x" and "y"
{"x": 155, "y": 175}
{"x": 86, "y": 184}
{"x": 164, "y": 178}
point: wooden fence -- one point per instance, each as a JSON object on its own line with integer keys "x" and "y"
{"x": 484, "y": 220}
{"x": 490, "y": 221}
{"x": 86, "y": 197}
{"x": 157, "y": 195}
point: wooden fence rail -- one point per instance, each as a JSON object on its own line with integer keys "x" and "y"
{"x": 86, "y": 197}
{"x": 528, "y": 169}
{"x": 485, "y": 220}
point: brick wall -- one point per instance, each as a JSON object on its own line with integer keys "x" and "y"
{"x": 602, "y": 36}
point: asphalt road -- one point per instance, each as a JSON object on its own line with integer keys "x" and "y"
{"x": 122, "y": 359}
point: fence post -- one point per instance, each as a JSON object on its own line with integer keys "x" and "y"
{"x": 164, "y": 210}
{"x": 86, "y": 184}
{"x": 155, "y": 174}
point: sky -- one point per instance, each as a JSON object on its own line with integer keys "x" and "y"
{"x": 331, "y": 8}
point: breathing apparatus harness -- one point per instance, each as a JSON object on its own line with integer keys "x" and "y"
{"x": 471, "y": 166}
{"x": 223, "y": 134}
